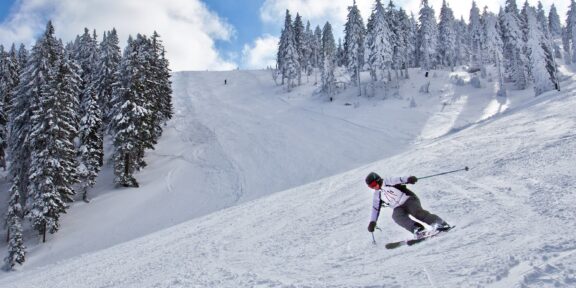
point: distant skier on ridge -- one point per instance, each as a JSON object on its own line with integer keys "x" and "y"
{"x": 392, "y": 193}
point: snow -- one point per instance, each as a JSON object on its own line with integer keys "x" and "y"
{"x": 251, "y": 186}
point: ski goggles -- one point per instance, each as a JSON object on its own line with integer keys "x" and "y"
{"x": 374, "y": 185}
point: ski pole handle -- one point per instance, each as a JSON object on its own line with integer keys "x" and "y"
{"x": 443, "y": 173}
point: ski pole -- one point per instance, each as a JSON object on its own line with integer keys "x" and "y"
{"x": 434, "y": 175}
{"x": 374, "y": 239}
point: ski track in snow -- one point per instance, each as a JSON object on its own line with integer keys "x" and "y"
{"x": 513, "y": 209}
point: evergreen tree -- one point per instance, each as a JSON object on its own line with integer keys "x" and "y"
{"x": 308, "y": 50}
{"x": 392, "y": 16}
{"x": 555, "y": 29}
{"x": 129, "y": 124}
{"x": 91, "y": 136}
{"x": 329, "y": 61}
{"x": 162, "y": 86}
{"x": 53, "y": 129}
{"x": 287, "y": 60}
{"x": 405, "y": 47}
{"x": 475, "y": 32}
{"x": 554, "y": 22}
{"x": 566, "y": 46}
{"x": 106, "y": 75}
{"x": 16, "y": 247}
{"x": 378, "y": 41}
{"x": 492, "y": 45}
{"x": 447, "y": 37}
{"x": 462, "y": 42}
{"x": 538, "y": 54}
{"x": 317, "y": 50}
{"x": 414, "y": 42}
{"x": 9, "y": 80}
{"x": 354, "y": 43}
{"x": 291, "y": 64}
{"x": 86, "y": 55}
{"x": 571, "y": 29}
{"x": 22, "y": 57}
{"x": 299, "y": 41}
{"x": 427, "y": 36}
{"x": 340, "y": 55}
{"x": 512, "y": 37}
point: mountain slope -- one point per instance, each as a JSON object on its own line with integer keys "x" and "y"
{"x": 512, "y": 212}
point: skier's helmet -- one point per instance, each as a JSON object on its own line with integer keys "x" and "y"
{"x": 373, "y": 178}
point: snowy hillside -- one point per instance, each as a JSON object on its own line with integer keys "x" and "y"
{"x": 231, "y": 145}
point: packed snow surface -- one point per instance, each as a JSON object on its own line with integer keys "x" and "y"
{"x": 253, "y": 186}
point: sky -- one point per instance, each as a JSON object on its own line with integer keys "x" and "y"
{"x": 200, "y": 34}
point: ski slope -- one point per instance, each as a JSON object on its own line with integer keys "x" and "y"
{"x": 273, "y": 183}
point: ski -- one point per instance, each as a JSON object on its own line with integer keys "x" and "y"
{"x": 411, "y": 242}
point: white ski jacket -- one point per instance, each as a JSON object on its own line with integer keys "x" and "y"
{"x": 388, "y": 196}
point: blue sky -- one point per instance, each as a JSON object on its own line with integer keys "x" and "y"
{"x": 200, "y": 34}
{"x": 244, "y": 16}
{"x": 4, "y": 8}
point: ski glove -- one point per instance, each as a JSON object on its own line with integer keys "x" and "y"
{"x": 371, "y": 226}
{"x": 412, "y": 180}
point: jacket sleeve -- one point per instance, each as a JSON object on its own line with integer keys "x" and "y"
{"x": 376, "y": 205}
{"x": 395, "y": 180}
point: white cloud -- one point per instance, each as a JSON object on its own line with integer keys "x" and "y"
{"x": 187, "y": 27}
{"x": 262, "y": 54}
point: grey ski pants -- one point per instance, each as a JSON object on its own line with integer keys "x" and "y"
{"x": 413, "y": 207}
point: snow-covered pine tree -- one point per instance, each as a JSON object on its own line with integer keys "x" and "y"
{"x": 340, "y": 55}
{"x": 130, "y": 129}
{"x": 12, "y": 70}
{"x": 299, "y": 41}
{"x": 86, "y": 55}
{"x": 538, "y": 54}
{"x": 413, "y": 40}
{"x": 354, "y": 44}
{"x": 287, "y": 60}
{"x": 91, "y": 150}
{"x": 475, "y": 32}
{"x": 566, "y": 46}
{"x": 378, "y": 40}
{"x": 554, "y": 22}
{"x": 405, "y": 47}
{"x": 9, "y": 81}
{"x": 163, "y": 85}
{"x": 512, "y": 37}
{"x": 555, "y": 29}
{"x": 7, "y": 85}
{"x": 462, "y": 42}
{"x": 427, "y": 36}
{"x": 447, "y": 37}
{"x": 329, "y": 61}
{"x": 571, "y": 29}
{"x": 283, "y": 44}
{"x": 290, "y": 62}
{"x": 106, "y": 75}
{"x": 317, "y": 53}
{"x": 16, "y": 247}
{"x": 492, "y": 45}
{"x": 307, "y": 51}
{"x": 392, "y": 18}
{"x": 22, "y": 56}
{"x": 53, "y": 120}
{"x": 542, "y": 19}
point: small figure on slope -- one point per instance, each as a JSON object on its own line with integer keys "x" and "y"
{"x": 392, "y": 193}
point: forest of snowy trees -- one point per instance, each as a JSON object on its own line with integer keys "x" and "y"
{"x": 523, "y": 45}
{"x": 57, "y": 103}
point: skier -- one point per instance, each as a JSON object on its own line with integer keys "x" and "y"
{"x": 392, "y": 193}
